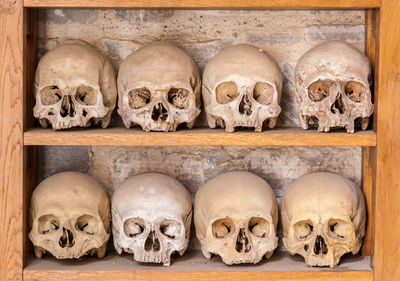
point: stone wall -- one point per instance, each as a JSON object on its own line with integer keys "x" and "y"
{"x": 286, "y": 35}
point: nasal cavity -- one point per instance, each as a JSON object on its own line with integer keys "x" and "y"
{"x": 338, "y": 106}
{"x": 245, "y": 106}
{"x": 159, "y": 112}
{"x": 152, "y": 243}
{"x": 242, "y": 242}
{"x": 66, "y": 239}
{"x": 320, "y": 247}
{"x": 67, "y": 107}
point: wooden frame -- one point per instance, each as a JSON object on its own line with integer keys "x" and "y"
{"x": 381, "y": 176}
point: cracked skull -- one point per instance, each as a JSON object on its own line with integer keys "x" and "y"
{"x": 242, "y": 86}
{"x": 236, "y": 215}
{"x": 323, "y": 217}
{"x": 69, "y": 216}
{"x": 159, "y": 88}
{"x": 74, "y": 84}
{"x": 151, "y": 216}
{"x": 333, "y": 87}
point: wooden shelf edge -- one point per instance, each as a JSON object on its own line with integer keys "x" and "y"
{"x": 197, "y": 137}
{"x": 89, "y": 275}
{"x": 298, "y": 4}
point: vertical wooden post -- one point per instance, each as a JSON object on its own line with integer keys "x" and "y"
{"x": 387, "y": 192}
{"x": 11, "y": 138}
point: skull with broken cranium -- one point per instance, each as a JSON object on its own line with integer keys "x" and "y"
{"x": 236, "y": 215}
{"x": 242, "y": 86}
{"x": 323, "y": 217}
{"x": 159, "y": 88}
{"x": 74, "y": 85}
{"x": 333, "y": 87}
{"x": 151, "y": 215}
{"x": 70, "y": 216}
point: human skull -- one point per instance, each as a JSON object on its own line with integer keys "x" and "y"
{"x": 236, "y": 215}
{"x": 323, "y": 217}
{"x": 151, "y": 216}
{"x": 242, "y": 86}
{"x": 69, "y": 216}
{"x": 159, "y": 88}
{"x": 74, "y": 84}
{"x": 332, "y": 87}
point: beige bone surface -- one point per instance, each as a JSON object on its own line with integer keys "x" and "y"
{"x": 323, "y": 217}
{"x": 236, "y": 215}
{"x": 69, "y": 216}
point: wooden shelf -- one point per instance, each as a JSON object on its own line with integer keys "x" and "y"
{"x": 193, "y": 266}
{"x": 197, "y": 137}
{"x": 229, "y": 4}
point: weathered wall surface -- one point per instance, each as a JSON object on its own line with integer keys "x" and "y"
{"x": 286, "y": 35}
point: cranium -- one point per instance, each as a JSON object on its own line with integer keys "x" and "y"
{"x": 69, "y": 216}
{"x": 159, "y": 88}
{"x": 73, "y": 85}
{"x": 323, "y": 217}
{"x": 332, "y": 87}
{"x": 236, "y": 215}
{"x": 242, "y": 87}
{"x": 151, "y": 216}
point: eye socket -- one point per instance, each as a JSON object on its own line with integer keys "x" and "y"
{"x": 223, "y": 228}
{"x": 354, "y": 90}
{"x": 87, "y": 224}
{"x": 263, "y": 93}
{"x": 86, "y": 95}
{"x": 134, "y": 227}
{"x": 178, "y": 97}
{"x": 259, "y": 227}
{"x": 303, "y": 229}
{"x": 48, "y": 224}
{"x": 339, "y": 228}
{"x": 226, "y": 92}
{"x": 170, "y": 228}
{"x": 138, "y": 98}
{"x": 319, "y": 90}
{"x": 50, "y": 95}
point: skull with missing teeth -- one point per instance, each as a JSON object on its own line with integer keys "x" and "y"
{"x": 151, "y": 215}
{"x": 236, "y": 215}
{"x": 70, "y": 216}
{"x": 242, "y": 87}
{"x": 323, "y": 217}
{"x": 159, "y": 88}
{"x": 332, "y": 87}
{"x": 74, "y": 84}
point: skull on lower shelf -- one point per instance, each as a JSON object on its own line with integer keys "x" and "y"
{"x": 236, "y": 215}
{"x": 323, "y": 217}
{"x": 151, "y": 216}
{"x": 70, "y": 216}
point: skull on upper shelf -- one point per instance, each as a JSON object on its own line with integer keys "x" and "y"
{"x": 74, "y": 84}
{"x": 151, "y": 214}
{"x": 242, "y": 86}
{"x": 236, "y": 215}
{"x": 333, "y": 87}
{"x": 159, "y": 88}
{"x": 323, "y": 217}
{"x": 70, "y": 216}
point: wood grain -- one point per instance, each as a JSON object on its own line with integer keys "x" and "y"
{"x": 387, "y": 209}
{"x": 11, "y": 142}
{"x": 147, "y": 275}
{"x": 197, "y": 137}
{"x": 205, "y": 3}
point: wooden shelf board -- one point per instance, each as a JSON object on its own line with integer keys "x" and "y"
{"x": 197, "y": 137}
{"x": 193, "y": 266}
{"x": 298, "y": 4}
